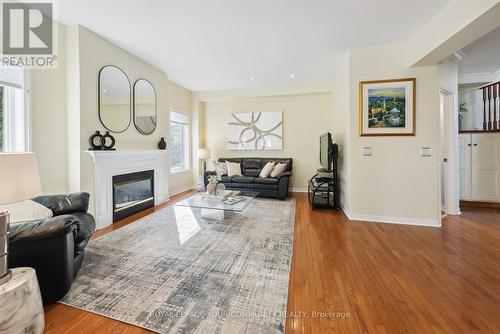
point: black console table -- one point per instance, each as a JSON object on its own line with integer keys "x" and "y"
{"x": 323, "y": 188}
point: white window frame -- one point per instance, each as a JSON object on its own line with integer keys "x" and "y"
{"x": 187, "y": 145}
{"x": 13, "y": 124}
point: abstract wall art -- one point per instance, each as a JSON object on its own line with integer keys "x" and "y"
{"x": 255, "y": 131}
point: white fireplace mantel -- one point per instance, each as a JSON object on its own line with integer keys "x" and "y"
{"x": 110, "y": 163}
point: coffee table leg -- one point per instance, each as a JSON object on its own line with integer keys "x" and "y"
{"x": 214, "y": 214}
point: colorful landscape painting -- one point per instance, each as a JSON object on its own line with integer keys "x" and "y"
{"x": 387, "y": 107}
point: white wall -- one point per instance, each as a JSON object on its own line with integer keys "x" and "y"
{"x": 305, "y": 118}
{"x": 181, "y": 99}
{"x": 396, "y": 184}
{"x": 48, "y": 119}
{"x": 340, "y": 127}
{"x": 94, "y": 52}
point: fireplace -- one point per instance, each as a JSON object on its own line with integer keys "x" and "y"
{"x": 132, "y": 193}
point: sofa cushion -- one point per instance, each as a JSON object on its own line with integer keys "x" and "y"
{"x": 251, "y": 164}
{"x": 258, "y": 186}
{"x": 266, "y": 180}
{"x": 279, "y": 160}
{"x": 233, "y": 168}
{"x": 242, "y": 179}
{"x": 226, "y": 178}
{"x": 278, "y": 169}
{"x": 248, "y": 186}
{"x": 251, "y": 172}
{"x": 221, "y": 168}
{"x": 268, "y": 168}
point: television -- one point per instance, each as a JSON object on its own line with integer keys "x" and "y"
{"x": 326, "y": 151}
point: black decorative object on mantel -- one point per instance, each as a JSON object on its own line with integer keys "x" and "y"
{"x": 99, "y": 142}
{"x": 162, "y": 144}
{"x": 95, "y": 141}
{"x": 104, "y": 142}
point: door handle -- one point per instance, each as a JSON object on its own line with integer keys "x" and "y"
{"x": 469, "y": 144}
{"x": 445, "y": 159}
{"x": 475, "y": 144}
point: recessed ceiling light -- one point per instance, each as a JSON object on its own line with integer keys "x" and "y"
{"x": 104, "y": 91}
{"x": 252, "y": 79}
{"x": 292, "y": 75}
{"x": 215, "y": 83}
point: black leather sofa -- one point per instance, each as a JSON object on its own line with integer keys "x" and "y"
{"x": 54, "y": 247}
{"x": 250, "y": 181}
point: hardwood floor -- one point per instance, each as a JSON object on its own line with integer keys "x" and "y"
{"x": 371, "y": 278}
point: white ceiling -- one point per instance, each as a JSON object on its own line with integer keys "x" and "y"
{"x": 482, "y": 55}
{"x": 207, "y": 45}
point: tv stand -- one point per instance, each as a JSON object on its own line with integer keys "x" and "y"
{"x": 323, "y": 192}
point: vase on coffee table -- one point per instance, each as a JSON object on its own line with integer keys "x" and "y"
{"x": 211, "y": 188}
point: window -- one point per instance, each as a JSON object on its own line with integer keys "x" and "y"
{"x": 179, "y": 141}
{"x": 14, "y": 118}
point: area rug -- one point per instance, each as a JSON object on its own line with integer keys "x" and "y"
{"x": 177, "y": 272}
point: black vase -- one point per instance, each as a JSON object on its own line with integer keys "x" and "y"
{"x": 162, "y": 144}
{"x": 108, "y": 141}
{"x": 95, "y": 141}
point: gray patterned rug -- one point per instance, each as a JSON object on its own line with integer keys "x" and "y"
{"x": 176, "y": 272}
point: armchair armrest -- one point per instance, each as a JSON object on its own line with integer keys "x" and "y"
{"x": 30, "y": 231}
{"x": 65, "y": 204}
{"x": 48, "y": 246}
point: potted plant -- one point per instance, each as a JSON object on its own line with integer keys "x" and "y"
{"x": 462, "y": 107}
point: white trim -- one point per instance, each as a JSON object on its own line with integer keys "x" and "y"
{"x": 27, "y": 110}
{"x": 180, "y": 171}
{"x": 298, "y": 190}
{"x": 391, "y": 220}
{"x": 183, "y": 189}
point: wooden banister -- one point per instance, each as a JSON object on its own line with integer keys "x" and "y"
{"x": 491, "y": 95}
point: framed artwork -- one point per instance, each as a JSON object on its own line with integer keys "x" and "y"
{"x": 255, "y": 131}
{"x": 387, "y": 107}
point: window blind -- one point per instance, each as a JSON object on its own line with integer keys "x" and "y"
{"x": 12, "y": 76}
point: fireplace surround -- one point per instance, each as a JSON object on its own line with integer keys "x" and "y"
{"x": 108, "y": 164}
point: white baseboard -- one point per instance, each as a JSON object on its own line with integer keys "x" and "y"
{"x": 181, "y": 190}
{"x": 298, "y": 190}
{"x": 392, "y": 220}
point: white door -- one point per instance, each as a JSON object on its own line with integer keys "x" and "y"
{"x": 464, "y": 165}
{"x": 485, "y": 167}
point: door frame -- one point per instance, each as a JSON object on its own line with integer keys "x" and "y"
{"x": 450, "y": 147}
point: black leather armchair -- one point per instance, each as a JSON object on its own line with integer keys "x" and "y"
{"x": 53, "y": 247}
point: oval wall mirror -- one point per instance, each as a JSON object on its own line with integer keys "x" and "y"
{"x": 114, "y": 99}
{"x": 144, "y": 107}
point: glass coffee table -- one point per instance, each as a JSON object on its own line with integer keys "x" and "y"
{"x": 217, "y": 204}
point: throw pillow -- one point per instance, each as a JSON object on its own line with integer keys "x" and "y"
{"x": 278, "y": 170}
{"x": 26, "y": 210}
{"x": 221, "y": 168}
{"x": 210, "y": 165}
{"x": 268, "y": 168}
{"x": 233, "y": 169}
